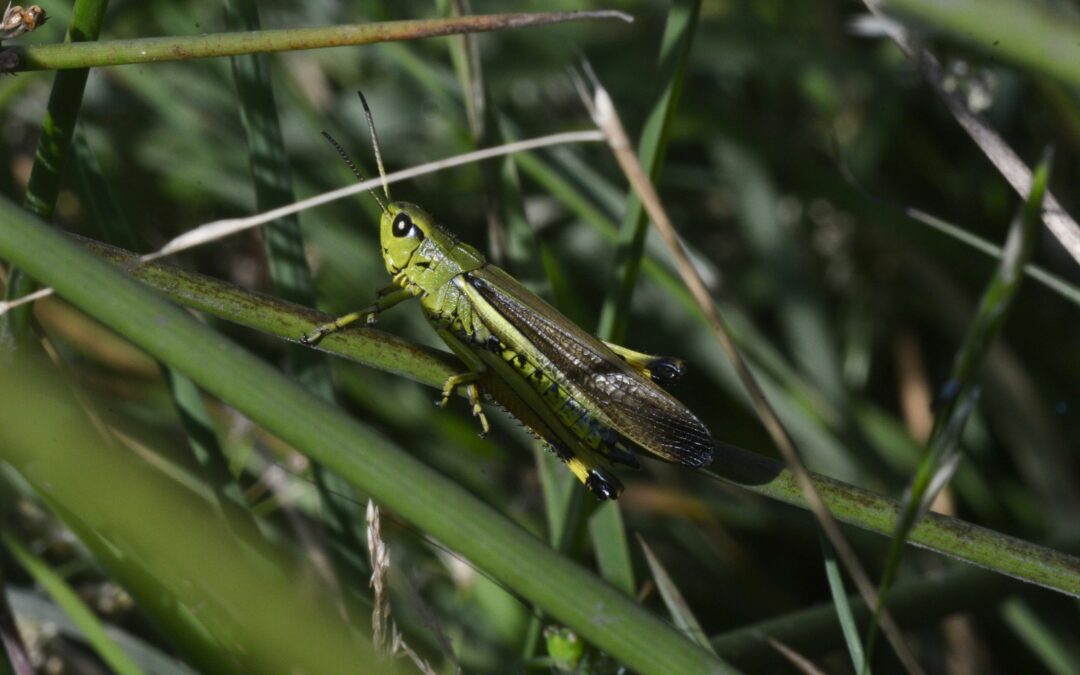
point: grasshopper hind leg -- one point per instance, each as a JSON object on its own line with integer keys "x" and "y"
{"x": 663, "y": 370}
{"x": 599, "y": 481}
{"x": 603, "y": 485}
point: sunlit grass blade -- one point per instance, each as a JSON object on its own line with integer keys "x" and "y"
{"x": 66, "y": 597}
{"x": 844, "y": 615}
{"x": 219, "y": 229}
{"x": 961, "y": 389}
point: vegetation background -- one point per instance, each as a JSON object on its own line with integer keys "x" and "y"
{"x": 200, "y": 536}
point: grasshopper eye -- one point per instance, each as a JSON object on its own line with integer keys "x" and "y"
{"x": 404, "y": 227}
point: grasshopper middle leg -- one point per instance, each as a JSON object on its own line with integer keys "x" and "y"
{"x": 467, "y": 380}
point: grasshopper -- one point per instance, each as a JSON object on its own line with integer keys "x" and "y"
{"x": 590, "y": 401}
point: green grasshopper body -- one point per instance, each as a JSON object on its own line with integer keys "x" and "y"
{"x": 590, "y": 401}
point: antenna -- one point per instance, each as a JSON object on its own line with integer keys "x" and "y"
{"x": 352, "y": 165}
{"x": 375, "y": 142}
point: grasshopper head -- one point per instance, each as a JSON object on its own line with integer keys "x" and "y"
{"x": 413, "y": 243}
{"x": 402, "y": 229}
{"x": 424, "y": 254}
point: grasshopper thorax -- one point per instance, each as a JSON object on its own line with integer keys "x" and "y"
{"x": 419, "y": 253}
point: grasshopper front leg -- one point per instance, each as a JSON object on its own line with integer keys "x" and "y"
{"x": 385, "y": 298}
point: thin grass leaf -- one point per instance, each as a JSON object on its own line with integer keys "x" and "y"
{"x": 57, "y": 129}
{"x": 153, "y": 50}
{"x": 1058, "y": 654}
{"x": 1059, "y": 285}
{"x": 289, "y": 273}
{"x": 848, "y": 624}
{"x": 608, "y": 533}
{"x": 36, "y": 609}
{"x": 66, "y": 597}
{"x": 14, "y": 660}
{"x": 961, "y": 390}
{"x": 597, "y": 612}
{"x": 219, "y": 229}
{"x": 671, "y": 70}
{"x": 816, "y": 631}
{"x": 673, "y": 599}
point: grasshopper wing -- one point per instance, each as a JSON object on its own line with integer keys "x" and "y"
{"x": 642, "y": 412}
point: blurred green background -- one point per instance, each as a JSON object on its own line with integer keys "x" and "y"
{"x": 801, "y": 138}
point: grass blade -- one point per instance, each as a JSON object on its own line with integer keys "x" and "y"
{"x": 816, "y": 630}
{"x": 1054, "y": 653}
{"x": 844, "y": 615}
{"x": 35, "y": 608}
{"x": 57, "y": 129}
{"x": 671, "y": 70}
{"x": 1036, "y": 37}
{"x": 608, "y": 532}
{"x": 66, "y": 597}
{"x": 153, "y": 50}
{"x": 1054, "y": 282}
{"x": 673, "y": 599}
{"x": 15, "y": 660}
